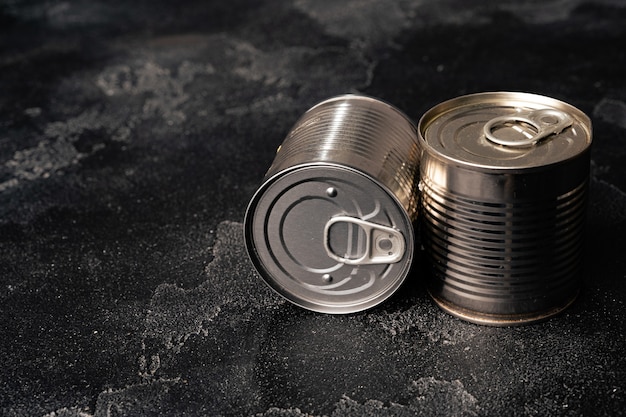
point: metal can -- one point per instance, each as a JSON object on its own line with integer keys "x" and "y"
{"x": 504, "y": 180}
{"x": 331, "y": 226}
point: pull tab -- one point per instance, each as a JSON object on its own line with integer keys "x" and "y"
{"x": 546, "y": 122}
{"x": 362, "y": 242}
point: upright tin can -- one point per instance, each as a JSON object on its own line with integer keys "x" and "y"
{"x": 331, "y": 226}
{"x": 504, "y": 180}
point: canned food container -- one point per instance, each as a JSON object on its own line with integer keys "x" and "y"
{"x": 504, "y": 180}
{"x": 331, "y": 226}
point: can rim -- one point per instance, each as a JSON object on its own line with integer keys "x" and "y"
{"x": 502, "y": 320}
{"x": 449, "y": 105}
{"x": 307, "y": 303}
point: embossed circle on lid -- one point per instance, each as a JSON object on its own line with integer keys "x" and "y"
{"x": 329, "y": 238}
{"x": 455, "y": 130}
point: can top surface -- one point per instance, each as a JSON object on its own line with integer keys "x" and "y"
{"x": 505, "y": 130}
{"x": 329, "y": 238}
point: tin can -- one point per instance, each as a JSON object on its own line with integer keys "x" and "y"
{"x": 331, "y": 227}
{"x": 504, "y": 180}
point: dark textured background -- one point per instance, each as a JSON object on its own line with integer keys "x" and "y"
{"x": 132, "y": 135}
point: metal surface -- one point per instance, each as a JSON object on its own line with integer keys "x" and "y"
{"x": 378, "y": 244}
{"x": 503, "y": 223}
{"x": 331, "y": 227}
{"x": 546, "y": 122}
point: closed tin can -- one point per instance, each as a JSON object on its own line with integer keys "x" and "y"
{"x": 331, "y": 226}
{"x": 504, "y": 180}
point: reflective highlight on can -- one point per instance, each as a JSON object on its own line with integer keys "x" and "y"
{"x": 331, "y": 226}
{"x": 504, "y": 180}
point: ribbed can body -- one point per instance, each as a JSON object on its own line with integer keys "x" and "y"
{"x": 360, "y": 132}
{"x": 504, "y": 234}
{"x": 331, "y": 227}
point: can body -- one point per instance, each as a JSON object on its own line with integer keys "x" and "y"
{"x": 504, "y": 180}
{"x": 331, "y": 226}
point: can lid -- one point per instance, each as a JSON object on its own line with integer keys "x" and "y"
{"x": 329, "y": 238}
{"x": 505, "y": 130}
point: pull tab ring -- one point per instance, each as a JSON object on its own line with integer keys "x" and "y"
{"x": 545, "y": 121}
{"x": 383, "y": 244}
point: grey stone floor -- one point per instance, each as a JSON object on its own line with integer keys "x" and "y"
{"x": 133, "y": 134}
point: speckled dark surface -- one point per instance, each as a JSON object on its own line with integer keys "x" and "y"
{"x": 133, "y": 134}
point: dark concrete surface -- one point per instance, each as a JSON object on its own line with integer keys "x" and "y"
{"x": 133, "y": 134}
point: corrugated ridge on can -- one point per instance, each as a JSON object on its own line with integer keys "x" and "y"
{"x": 331, "y": 227}
{"x": 337, "y": 131}
{"x": 503, "y": 232}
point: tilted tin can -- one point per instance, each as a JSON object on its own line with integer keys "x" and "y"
{"x": 504, "y": 180}
{"x": 331, "y": 226}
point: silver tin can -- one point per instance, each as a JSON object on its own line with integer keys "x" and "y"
{"x": 331, "y": 226}
{"x": 504, "y": 180}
